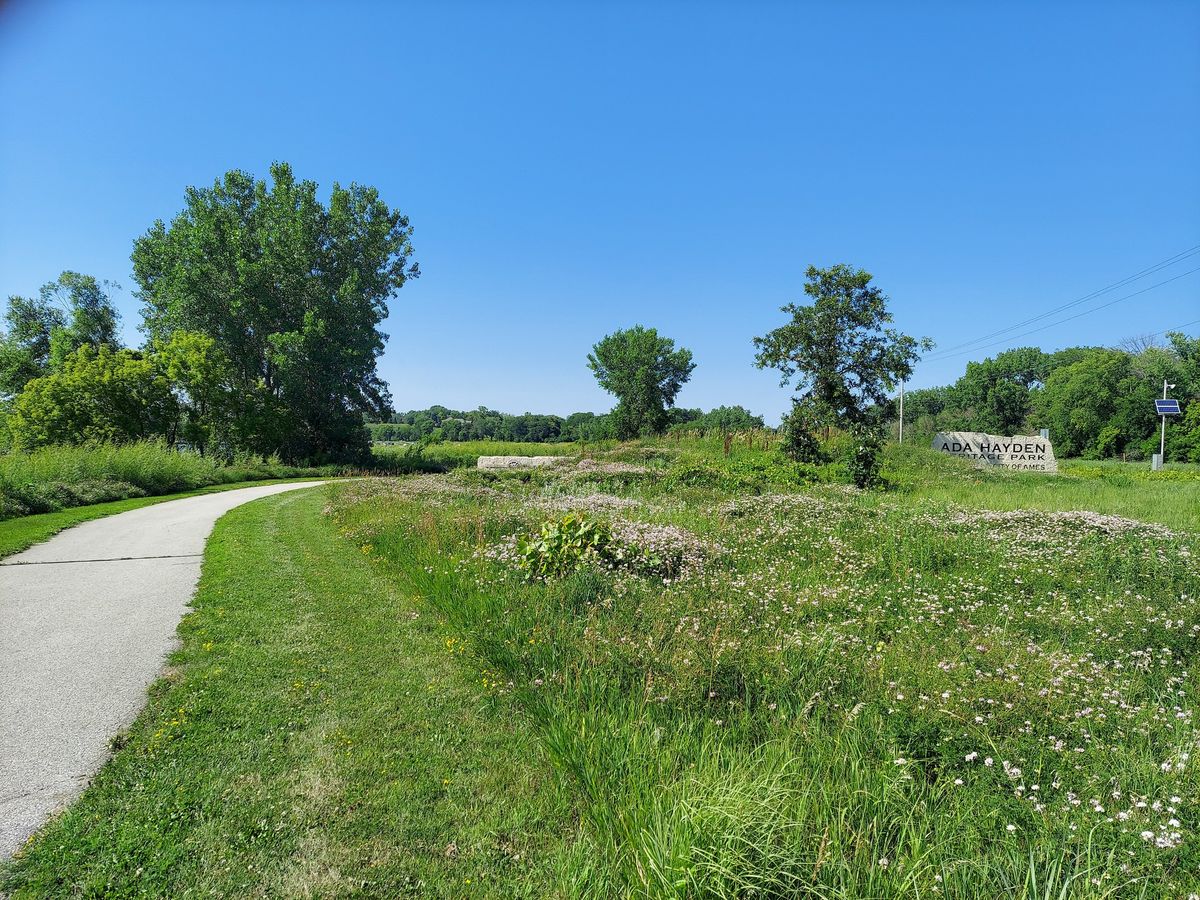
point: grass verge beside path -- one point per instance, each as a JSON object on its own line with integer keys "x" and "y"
{"x": 317, "y": 736}
{"x": 20, "y": 534}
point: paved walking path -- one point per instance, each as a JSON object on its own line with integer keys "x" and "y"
{"x": 86, "y": 620}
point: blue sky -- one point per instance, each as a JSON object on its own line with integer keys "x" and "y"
{"x": 574, "y": 168}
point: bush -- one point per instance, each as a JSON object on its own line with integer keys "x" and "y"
{"x": 701, "y": 476}
{"x": 574, "y": 544}
{"x": 761, "y": 471}
{"x": 564, "y": 545}
{"x": 97, "y": 395}
{"x": 799, "y": 443}
{"x": 864, "y": 461}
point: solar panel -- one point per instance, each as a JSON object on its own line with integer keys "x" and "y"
{"x": 1167, "y": 407}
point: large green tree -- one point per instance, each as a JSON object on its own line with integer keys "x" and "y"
{"x": 25, "y": 345}
{"x": 587, "y": 426}
{"x": 843, "y": 360}
{"x": 645, "y": 372}
{"x": 208, "y": 402}
{"x": 292, "y": 292}
{"x": 1080, "y": 400}
{"x": 40, "y": 332}
{"x": 996, "y": 394}
{"x": 91, "y": 318}
{"x": 837, "y": 350}
{"x": 1183, "y": 438}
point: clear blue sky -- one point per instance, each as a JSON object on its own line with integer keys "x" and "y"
{"x": 574, "y": 168}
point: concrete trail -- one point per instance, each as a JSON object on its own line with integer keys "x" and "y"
{"x": 86, "y": 620}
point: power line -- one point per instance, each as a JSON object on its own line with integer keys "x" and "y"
{"x": 1176, "y": 328}
{"x": 1150, "y": 270}
{"x": 1158, "y": 266}
{"x": 1086, "y": 312}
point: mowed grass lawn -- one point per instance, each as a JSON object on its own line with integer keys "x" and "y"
{"x": 315, "y": 736}
{"x": 760, "y": 689}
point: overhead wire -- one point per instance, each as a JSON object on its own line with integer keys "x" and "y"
{"x": 948, "y": 352}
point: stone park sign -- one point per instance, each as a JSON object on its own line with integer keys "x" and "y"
{"x": 1031, "y": 454}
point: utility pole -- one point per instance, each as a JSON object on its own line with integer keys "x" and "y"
{"x": 902, "y": 412}
{"x": 1162, "y": 441}
{"x": 1165, "y": 410}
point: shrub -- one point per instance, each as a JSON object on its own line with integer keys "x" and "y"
{"x": 561, "y": 547}
{"x": 761, "y": 471}
{"x": 700, "y": 476}
{"x": 799, "y": 443}
{"x": 98, "y": 395}
{"x": 564, "y": 545}
{"x": 864, "y": 462}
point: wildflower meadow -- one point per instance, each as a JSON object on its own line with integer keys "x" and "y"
{"x": 820, "y": 691}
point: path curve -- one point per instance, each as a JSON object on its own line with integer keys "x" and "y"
{"x": 86, "y": 620}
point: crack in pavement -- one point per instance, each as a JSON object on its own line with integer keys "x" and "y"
{"x": 44, "y": 789}
{"x": 60, "y": 562}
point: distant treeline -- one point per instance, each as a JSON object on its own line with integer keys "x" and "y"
{"x": 488, "y": 424}
{"x": 1098, "y": 402}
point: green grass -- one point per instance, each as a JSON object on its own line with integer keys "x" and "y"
{"x": 850, "y": 695}
{"x": 1170, "y": 497}
{"x": 21, "y": 533}
{"x": 793, "y": 690}
{"x": 58, "y": 478}
{"x": 317, "y": 735}
{"x": 1132, "y": 469}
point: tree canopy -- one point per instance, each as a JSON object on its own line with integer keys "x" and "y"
{"x": 999, "y": 389}
{"x": 292, "y": 292}
{"x": 837, "y": 350}
{"x": 722, "y": 418}
{"x": 96, "y": 395}
{"x": 40, "y": 333}
{"x": 470, "y": 425}
{"x": 645, "y": 372}
{"x": 489, "y": 424}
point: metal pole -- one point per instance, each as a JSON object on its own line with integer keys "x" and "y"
{"x": 1162, "y": 441}
{"x": 902, "y": 412}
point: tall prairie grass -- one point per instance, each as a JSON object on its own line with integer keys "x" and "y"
{"x": 56, "y": 478}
